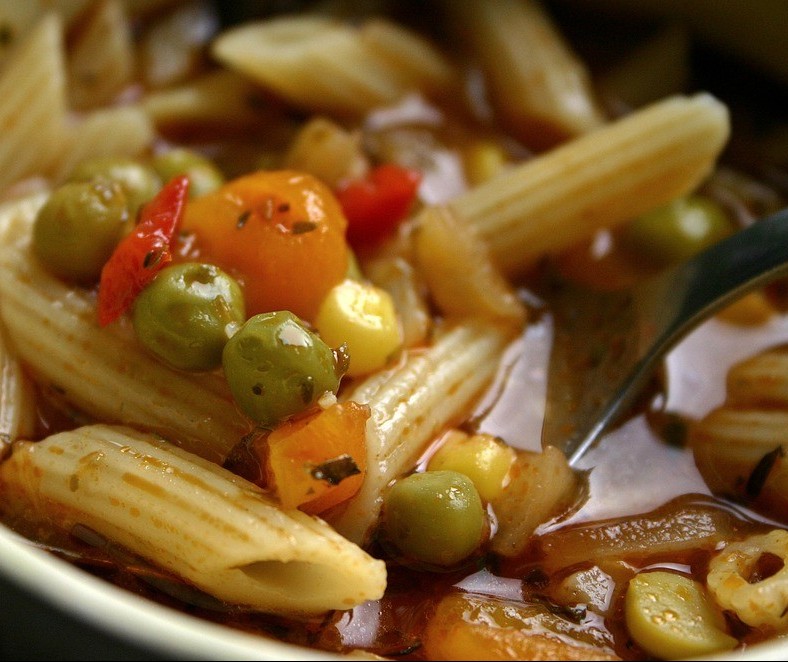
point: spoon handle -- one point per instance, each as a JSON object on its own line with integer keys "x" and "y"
{"x": 673, "y": 303}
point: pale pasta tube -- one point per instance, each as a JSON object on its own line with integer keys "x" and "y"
{"x": 33, "y": 89}
{"x": 319, "y": 63}
{"x": 538, "y": 86}
{"x": 215, "y": 98}
{"x": 105, "y": 372}
{"x": 742, "y": 453}
{"x": 101, "y": 59}
{"x": 601, "y": 179}
{"x": 430, "y": 391}
{"x": 119, "y": 131}
{"x": 191, "y": 517}
{"x": 462, "y": 278}
{"x": 17, "y": 402}
{"x": 762, "y": 378}
{"x": 541, "y": 487}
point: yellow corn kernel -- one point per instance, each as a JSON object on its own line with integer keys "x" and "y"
{"x": 363, "y": 317}
{"x": 481, "y": 457}
{"x": 483, "y": 160}
{"x": 671, "y": 617}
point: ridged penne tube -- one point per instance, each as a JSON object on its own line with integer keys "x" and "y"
{"x": 33, "y": 89}
{"x": 101, "y": 59}
{"x": 120, "y": 131}
{"x": 105, "y": 372}
{"x": 761, "y": 379}
{"x": 213, "y": 99}
{"x": 191, "y": 517}
{"x": 463, "y": 280}
{"x": 743, "y": 453}
{"x": 601, "y": 179}
{"x": 541, "y": 486}
{"x": 17, "y": 402}
{"x": 319, "y": 63}
{"x": 429, "y": 391}
{"x": 538, "y": 86}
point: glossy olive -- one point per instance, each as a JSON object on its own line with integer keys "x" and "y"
{"x": 277, "y": 367}
{"x": 204, "y": 175}
{"x": 678, "y": 230}
{"x": 435, "y": 518}
{"x": 187, "y": 313}
{"x": 139, "y": 182}
{"x": 78, "y": 227}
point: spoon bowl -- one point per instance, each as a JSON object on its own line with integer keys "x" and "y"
{"x": 631, "y": 332}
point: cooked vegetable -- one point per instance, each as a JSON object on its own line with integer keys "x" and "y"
{"x": 363, "y": 317}
{"x": 376, "y": 204}
{"x": 676, "y": 231}
{"x": 281, "y": 233}
{"x": 204, "y": 175}
{"x": 481, "y": 457}
{"x": 276, "y": 367}
{"x": 672, "y": 617}
{"x": 78, "y": 227}
{"x": 143, "y": 253}
{"x": 139, "y": 182}
{"x": 186, "y": 315}
{"x": 434, "y": 517}
{"x": 318, "y": 461}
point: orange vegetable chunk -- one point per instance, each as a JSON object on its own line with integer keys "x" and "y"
{"x": 475, "y": 627}
{"x": 306, "y": 454}
{"x": 280, "y": 233}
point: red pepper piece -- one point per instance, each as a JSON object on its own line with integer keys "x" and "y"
{"x": 376, "y": 204}
{"x": 143, "y": 253}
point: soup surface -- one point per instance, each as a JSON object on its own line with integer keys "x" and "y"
{"x": 369, "y": 163}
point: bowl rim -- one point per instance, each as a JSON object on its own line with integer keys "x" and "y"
{"x": 161, "y": 629}
{"x": 166, "y": 631}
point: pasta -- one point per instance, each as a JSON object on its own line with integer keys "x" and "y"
{"x": 124, "y": 485}
{"x": 281, "y": 292}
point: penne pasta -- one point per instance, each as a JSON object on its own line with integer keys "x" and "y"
{"x": 17, "y": 401}
{"x": 101, "y": 59}
{"x": 124, "y": 131}
{"x": 323, "y": 65}
{"x": 191, "y": 517}
{"x": 33, "y": 89}
{"x": 104, "y": 371}
{"x": 601, "y": 179}
{"x": 413, "y": 403}
{"x": 538, "y": 86}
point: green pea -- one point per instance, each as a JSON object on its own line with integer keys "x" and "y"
{"x": 677, "y": 231}
{"x": 277, "y": 367}
{"x": 204, "y": 175}
{"x": 139, "y": 182}
{"x": 187, "y": 313}
{"x": 78, "y": 227}
{"x": 434, "y": 517}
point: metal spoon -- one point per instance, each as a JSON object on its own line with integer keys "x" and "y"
{"x": 617, "y": 340}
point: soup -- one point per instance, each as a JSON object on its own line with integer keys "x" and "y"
{"x": 284, "y": 312}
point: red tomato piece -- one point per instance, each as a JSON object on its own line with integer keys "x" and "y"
{"x": 376, "y": 204}
{"x": 142, "y": 254}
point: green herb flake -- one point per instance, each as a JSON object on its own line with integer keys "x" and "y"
{"x": 334, "y": 471}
